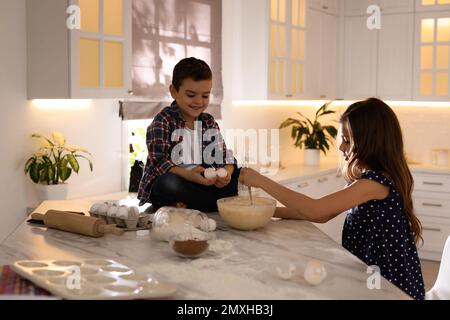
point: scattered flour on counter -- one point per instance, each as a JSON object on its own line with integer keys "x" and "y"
{"x": 228, "y": 282}
{"x": 217, "y": 248}
{"x": 218, "y": 275}
{"x": 220, "y": 246}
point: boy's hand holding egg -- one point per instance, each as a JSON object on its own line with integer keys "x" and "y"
{"x": 223, "y": 176}
{"x": 210, "y": 173}
{"x": 197, "y": 175}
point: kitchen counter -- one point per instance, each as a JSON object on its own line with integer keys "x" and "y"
{"x": 429, "y": 168}
{"x": 290, "y": 173}
{"x": 239, "y": 265}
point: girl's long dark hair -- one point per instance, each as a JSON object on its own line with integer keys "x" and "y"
{"x": 377, "y": 144}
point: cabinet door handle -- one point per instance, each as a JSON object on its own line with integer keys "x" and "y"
{"x": 321, "y": 180}
{"x": 130, "y": 92}
{"x": 325, "y": 7}
{"x": 438, "y": 205}
{"x": 431, "y": 229}
{"x": 433, "y": 183}
{"x": 303, "y": 185}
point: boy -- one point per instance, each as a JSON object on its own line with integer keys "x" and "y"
{"x": 178, "y": 152}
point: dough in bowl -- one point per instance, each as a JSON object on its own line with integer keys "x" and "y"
{"x": 240, "y": 214}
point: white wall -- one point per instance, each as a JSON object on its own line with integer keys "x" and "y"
{"x": 424, "y": 128}
{"x": 97, "y": 128}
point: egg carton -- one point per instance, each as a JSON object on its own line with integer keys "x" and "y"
{"x": 127, "y": 217}
{"x": 92, "y": 279}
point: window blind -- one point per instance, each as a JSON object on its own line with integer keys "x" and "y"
{"x": 164, "y": 32}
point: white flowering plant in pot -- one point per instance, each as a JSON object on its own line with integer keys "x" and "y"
{"x": 54, "y": 162}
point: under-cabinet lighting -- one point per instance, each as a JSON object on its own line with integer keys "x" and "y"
{"x": 419, "y": 104}
{"x": 62, "y": 104}
{"x": 270, "y": 103}
{"x": 318, "y": 103}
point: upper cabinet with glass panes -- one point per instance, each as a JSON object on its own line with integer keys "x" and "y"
{"x": 79, "y": 48}
{"x": 281, "y": 49}
{"x": 432, "y": 5}
{"x": 287, "y": 49}
{"x": 432, "y": 52}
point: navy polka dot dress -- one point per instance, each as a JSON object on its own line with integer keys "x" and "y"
{"x": 378, "y": 233}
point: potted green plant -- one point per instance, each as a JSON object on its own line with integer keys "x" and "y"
{"x": 51, "y": 166}
{"x": 311, "y": 134}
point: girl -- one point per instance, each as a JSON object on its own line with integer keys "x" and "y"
{"x": 380, "y": 228}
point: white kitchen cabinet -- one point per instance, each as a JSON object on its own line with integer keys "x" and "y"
{"x": 321, "y": 55}
{"x": 431, "y": 198}
{"x": 319, "y": 186}
{"x": 287, "y": 39}
{"x": 432, "y": 5}
{"x": 432, "y": 56}
{"x": 359, "y": 7}
{"x": 327, "y": 6}
{"x": 378, "y": 62}
{"x": 360, "y": 59}
{"x": 275, "y": 32}
{"x": 93, "y": 61}
{"x": 396, "y": 6}
{"x": 395, "y": 57}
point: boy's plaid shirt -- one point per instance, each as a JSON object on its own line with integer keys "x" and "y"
{"x": 160, "y": 145}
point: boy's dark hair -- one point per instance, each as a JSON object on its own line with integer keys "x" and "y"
{"x": 193, "y": 68}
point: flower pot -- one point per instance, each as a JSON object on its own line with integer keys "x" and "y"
{"x": 311, "y": 157}
{"x": 52, "y": 191}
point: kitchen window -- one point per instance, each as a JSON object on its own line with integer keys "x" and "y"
{"x": 164, "y": 32}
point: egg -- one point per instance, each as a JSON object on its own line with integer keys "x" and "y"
{"x": 102, "y": 209}
{"x": 112, "y": 211}
{"x": 212, "y": 225}
{"x": 288, "y": 274}
{"x": 94, "y": 207}
{"x": 210, "y": 173}
{"x": 133, "y": 213}
{"x": 122, "y": 212}
{"x": 206, "y": 225}
{"x": 315, "y": 272}
{"x": 221, "y": 173}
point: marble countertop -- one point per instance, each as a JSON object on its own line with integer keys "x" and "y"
{"x": 292, "y": 172}
{"x": 239, "y": 264}
{"x": 331, "y": 165}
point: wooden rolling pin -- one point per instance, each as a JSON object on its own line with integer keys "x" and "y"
{"x": 76, "y": 223}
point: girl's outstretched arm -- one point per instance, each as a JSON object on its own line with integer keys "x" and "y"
{"x": 300, "y": 206}
{"x": 288, "y": 213}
